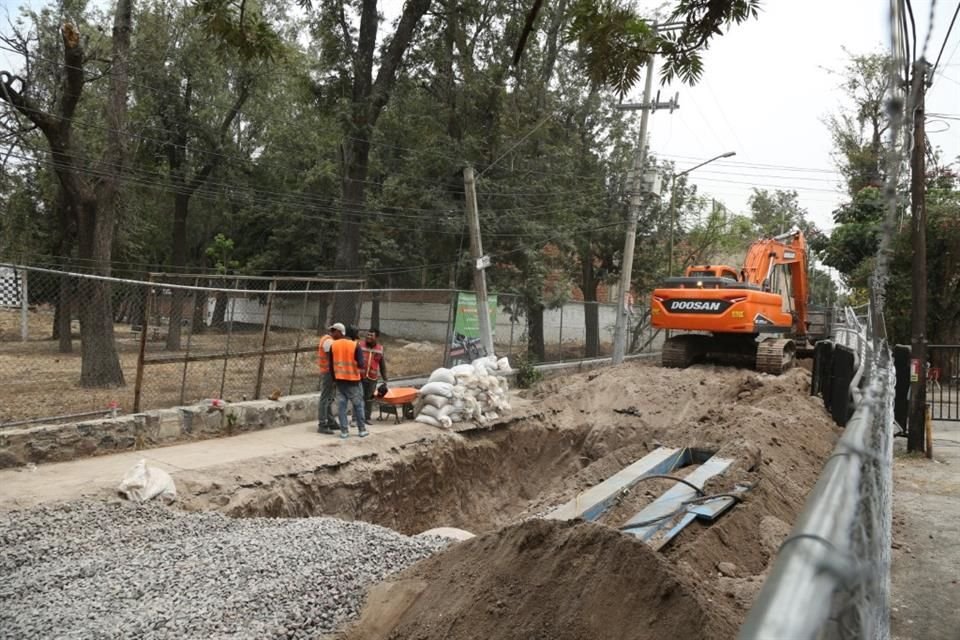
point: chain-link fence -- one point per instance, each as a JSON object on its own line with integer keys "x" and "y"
{"x": 831, "y": 577}
{"x": 76, "y": 346}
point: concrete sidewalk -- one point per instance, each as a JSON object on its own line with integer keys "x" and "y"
{"x": 926, "y": 534}
{"x": 99, "y": 476}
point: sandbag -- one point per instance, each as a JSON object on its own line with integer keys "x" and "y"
{"x": 442, "y": 375}
{"x": 444, "y": 389}
{"x": 462, "y": 370}
{"x": 446, "y": 411}
{"x": 430, "y": 410}
{"x": 425, "y": 419}
{"x": 143, "y": 483}
{"x": 435, "y": 401}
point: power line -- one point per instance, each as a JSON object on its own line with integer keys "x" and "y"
{"x": 946, "y": 39}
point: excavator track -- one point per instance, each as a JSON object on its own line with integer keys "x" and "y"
{"x": 775, "y": 355}
{"x": 679, "y": 352}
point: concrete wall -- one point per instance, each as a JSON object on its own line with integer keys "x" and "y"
{"x": 58, "y": 443}
{"x": 424, "y": 321}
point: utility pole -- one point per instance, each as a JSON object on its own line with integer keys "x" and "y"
{"x": 480, "y": 262}
{"x": 639, "y": 163}
{"x": 918, "y": 312}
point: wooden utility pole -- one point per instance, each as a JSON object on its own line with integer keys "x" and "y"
{"x": 479, "y": 263}
{"x": 918, "y": 312}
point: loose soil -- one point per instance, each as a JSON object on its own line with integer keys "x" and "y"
{"x": 543, "y": 580}
{"x": 573, "y": 433}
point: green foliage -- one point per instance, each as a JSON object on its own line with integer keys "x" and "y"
{"x": 219, "y": 253}
{"x": 239, "y": 26}
{"x": 616, "y": 41}
{"x": 527, "y": 373}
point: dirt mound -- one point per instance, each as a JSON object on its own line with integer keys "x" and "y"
{"x": 541, "y": 580}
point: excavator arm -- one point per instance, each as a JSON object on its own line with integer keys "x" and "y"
{"x": 788, "y": 249}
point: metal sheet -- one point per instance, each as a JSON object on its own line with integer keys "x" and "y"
{"x": 592, "y": 503}
{"x": 657, "y": 513}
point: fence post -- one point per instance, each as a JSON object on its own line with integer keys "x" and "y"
{"x": 186, "y": 355}
{"x": 226, "y": 350}
{"x": 513, "y": 314}
{"x": 561, "y": 333}
{"x": 263, "y": 340}
{"x": 24, "y": 303}
{"x": 451, "y": 321}
{"x": 144, "y": 325}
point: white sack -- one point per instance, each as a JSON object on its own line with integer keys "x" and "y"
{"x": 437, "y": 389}
{"x": 462, "y": 370}
{"x": 425, "y": 419}
{"x": 430, "y": 410}
{"x": 435, "y": 401}
{"x": 442, "y": 375}
{"x": 143, "y": 483}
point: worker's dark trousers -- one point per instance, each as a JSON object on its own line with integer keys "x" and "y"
{"x": 325, "y": 416}
{"x": 369, "y": 388}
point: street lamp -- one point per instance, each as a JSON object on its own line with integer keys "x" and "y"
{"x": 673, "y": 197}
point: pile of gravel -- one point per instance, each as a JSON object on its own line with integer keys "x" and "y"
{"x": 118, "y": 570}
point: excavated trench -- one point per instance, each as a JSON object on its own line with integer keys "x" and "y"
{"x": 575, "y": 433}
{"x": 476, "y": 480}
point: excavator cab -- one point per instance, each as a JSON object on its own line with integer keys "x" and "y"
{"x": 755, "y": 315}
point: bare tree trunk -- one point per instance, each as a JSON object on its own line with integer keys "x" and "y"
{"x": 536, "y": 347}
{"x": 219, "y": 311}
{"x": 63, "y": 316}
{"x": 369, "y": 97}
{"x": 179, "y": 259}
{"x": 91, "y": 206}
{"x": 591, "y": 310}
{"x": 199, "y": 324}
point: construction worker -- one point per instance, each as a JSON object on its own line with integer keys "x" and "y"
{"x": 375, "y": 367}
{"x": 325, "y": 419}
{"x": 347, "y": 361}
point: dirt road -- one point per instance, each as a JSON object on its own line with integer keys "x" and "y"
{"x": 926, "y": 533}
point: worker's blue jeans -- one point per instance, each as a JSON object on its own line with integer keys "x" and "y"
{"x": 350, "y": 392}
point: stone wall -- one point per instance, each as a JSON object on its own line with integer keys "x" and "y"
{"x": 59, "y": 443}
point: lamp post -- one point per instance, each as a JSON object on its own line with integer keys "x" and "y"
{"x": 673, "y": 197}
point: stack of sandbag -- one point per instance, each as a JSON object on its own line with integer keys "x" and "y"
{"x": 474, "y": 392}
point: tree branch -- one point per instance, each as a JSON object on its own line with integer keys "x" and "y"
{"x": 413, "y": 11}
{"x": 73, "y": 67}
{"x": 204, "y": 172}
{"x": 24, "y": 105}
{"x": 347, "y": 38}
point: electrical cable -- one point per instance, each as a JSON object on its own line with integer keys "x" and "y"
{"x": 946, "y": 39}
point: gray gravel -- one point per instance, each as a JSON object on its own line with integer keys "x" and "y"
{"x": 97, "y": 570}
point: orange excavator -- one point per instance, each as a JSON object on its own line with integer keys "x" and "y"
{"x": 757, "y": 316}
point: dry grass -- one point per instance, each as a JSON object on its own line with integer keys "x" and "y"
{"x": 39, "y": 382}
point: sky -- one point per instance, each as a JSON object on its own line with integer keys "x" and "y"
{"x": 767, "y": 86}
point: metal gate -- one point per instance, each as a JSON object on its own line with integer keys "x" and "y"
{"x": 943, "y": 381}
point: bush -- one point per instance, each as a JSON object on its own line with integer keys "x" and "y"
{"x": 527, "y": 374}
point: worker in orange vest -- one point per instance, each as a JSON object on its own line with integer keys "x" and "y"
{"x": 325, "y": 419}
{"x": 374, "y": 369}
{"x": 347, "y": 363}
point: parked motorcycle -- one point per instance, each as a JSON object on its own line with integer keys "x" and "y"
{"x": 464, "y": 350}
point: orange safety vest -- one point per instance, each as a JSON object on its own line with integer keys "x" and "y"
{"x": 344, "y": 352}
{"x": 371, "y": 361}
{"x": 323, "y": 357}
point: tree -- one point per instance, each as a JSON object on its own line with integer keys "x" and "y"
{"x": 89, "y": 193}
{"x": 776, "y": 212}
{"x": 367, "y": 95}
